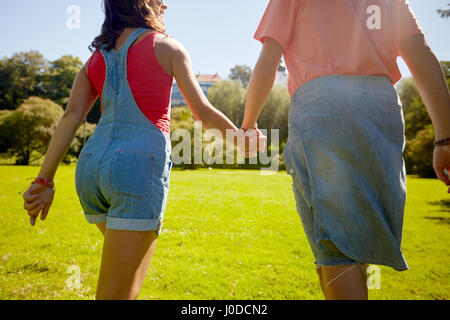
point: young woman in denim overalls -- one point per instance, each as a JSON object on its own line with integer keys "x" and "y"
{"x": 122, "y": 175}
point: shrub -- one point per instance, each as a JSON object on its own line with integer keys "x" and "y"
{"x": 28, "y": 128}
{"x": 419, "y": 153}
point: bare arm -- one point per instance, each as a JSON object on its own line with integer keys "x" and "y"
{"x": 261, "y": 82}
{"x": 82, "y": 97}
{"x": 200, "y": 106}
{"x": 430, "y": 80}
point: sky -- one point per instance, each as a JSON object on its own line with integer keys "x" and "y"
{"x": 218, "y": 34}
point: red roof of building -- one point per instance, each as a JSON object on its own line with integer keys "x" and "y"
{"x": 208, "y": 78}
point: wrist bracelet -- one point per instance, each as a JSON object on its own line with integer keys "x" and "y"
{"x": 246, "y": 129}
{"x": 440, "y": 143}
{"x": 44, "y": 182}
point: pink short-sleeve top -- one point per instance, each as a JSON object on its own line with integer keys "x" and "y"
{"x": 338, "y": 37}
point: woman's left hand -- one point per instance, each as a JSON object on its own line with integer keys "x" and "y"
{"x": 37, "y": 199}
{"x": 255, "y": 141}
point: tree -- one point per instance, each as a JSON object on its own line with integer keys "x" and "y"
{"x": 229, "y": 97}
{"x": 182, "y": 118}
{"x": 419, "y": 153}
{"x": 416, "y": 118}
{"x": 60, "y": 77}
{"x": 408, "y": 92}
{"x": 4, "y": 113}
{"x": 418, "y": 127}
{"x": 29, "y": 128}
{"x": 83, "y": 134}
{"x": 3, "y": 142}
{"x": 21, "y": 76}
{"x": 59, "y": 82}
{"x": 242, "y": 73}
{"x": 444, "y": 13}
{"x": 28, "y": 74}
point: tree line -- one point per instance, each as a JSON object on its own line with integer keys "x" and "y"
{"x": 34, "y": 93}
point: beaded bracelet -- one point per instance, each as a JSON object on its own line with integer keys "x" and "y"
{"x": 441, "y": 143}
{"x": 246, "y": 129}
{"x": 44, "y": 182}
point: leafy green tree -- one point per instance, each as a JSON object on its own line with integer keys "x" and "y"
{"x": 60, "y": 77}
{"x": 4, "y": 113}
{"x": 84, "y": 132}
{"x": 229, "y": 97}
{"x": 242, "y": 73}
{"x": 29, "y": 128}
{"x": 407, "y": 90}
{"x": 182, "y": 118}
{"x": 419, "y": 153}
{"x": 27, "y": 74}
{"x": 21, "y": 76}
{"x": 3, "y": 142}
{"x": 416, "y": 118}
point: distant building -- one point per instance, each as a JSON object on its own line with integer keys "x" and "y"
{"x": 282, "y": 76}
{"x": 205, "y": 81}
{"x": 177, "y": 98}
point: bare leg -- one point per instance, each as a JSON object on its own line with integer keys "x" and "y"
{"x": 102, "y": 227}
{"x": 125, "y": 260}
{"x": 343, "y": 282}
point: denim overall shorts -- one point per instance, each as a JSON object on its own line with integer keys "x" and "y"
{"x": 122, "y": 174}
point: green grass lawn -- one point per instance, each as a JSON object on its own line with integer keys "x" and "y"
{"x": 227, "y": 234}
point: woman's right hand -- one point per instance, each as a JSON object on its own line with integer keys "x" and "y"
{"x": 37, "y": 199}
{"x": 255, "y": 141}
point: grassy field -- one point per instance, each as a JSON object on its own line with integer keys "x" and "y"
{"x": 227, "y": 234}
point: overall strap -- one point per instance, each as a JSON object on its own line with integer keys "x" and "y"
{"x": 116, "y": 61}
{"x": 136, "y": 33}
{"x": 122, "y": 54}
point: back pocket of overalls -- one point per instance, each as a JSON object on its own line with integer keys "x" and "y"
{"x": 79, "y": 171}
{"x": 131, "y": 174}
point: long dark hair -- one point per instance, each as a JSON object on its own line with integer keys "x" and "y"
{"x": 120, "y": 14}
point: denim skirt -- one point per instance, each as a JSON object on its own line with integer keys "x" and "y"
{"x": 345, "y": 156}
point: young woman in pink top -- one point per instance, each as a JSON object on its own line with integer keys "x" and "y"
{"x": 346, "y": 128}
{"x": 122, "y": 175}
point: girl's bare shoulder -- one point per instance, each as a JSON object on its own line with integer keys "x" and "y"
{"x": 169, "y": 45}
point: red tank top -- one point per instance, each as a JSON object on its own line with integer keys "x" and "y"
{"x": 150, "y": 84}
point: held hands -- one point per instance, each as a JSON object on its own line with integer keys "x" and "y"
{"x": 441, "y": 162}
{"x": 255, "y": 141}
{"x": 38, "y": 199}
